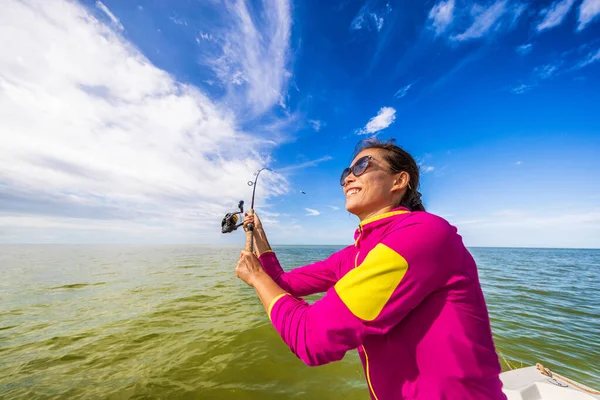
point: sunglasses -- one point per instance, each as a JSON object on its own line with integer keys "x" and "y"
{"x": 359, "y": 168}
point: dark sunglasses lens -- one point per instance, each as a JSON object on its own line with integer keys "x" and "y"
{"x": 361, "y": 166}
{"x": 344, "y": 176}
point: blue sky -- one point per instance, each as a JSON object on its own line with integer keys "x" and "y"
{"x": 142, "y": 121}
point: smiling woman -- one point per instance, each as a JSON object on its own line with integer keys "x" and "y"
{"x": 406, "y": 294}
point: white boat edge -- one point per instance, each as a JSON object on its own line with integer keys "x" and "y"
{"x": 530, "y": 384}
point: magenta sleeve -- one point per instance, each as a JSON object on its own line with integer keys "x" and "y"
{"x": 312, "y": 333}
{"x": 303, "y": 281}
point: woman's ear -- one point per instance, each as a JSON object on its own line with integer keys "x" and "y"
{"x": 401, "y": 181}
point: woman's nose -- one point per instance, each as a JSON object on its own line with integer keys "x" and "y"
{"x": 350, "y": 178}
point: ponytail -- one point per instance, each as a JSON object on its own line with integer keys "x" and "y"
{"x": 412, "y": 200}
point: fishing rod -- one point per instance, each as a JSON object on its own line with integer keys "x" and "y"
{"x": 229, "y": 222}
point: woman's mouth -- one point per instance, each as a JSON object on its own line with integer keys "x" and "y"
{"x": 352, "y": 191}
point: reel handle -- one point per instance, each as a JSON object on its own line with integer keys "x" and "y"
{"x": 250, "y": 234}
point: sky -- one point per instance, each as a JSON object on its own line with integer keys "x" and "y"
{"x": 142, "y": 121}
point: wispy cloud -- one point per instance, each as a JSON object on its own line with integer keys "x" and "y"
{"x": 110, "y": 15}
{"x": 378, "y": 21}
{"x": 524, "y": 49}
{"x": 518, "y": 163}
{"x": 568, "y": 62}
{"x": 403, "y": 91}
{"x": 254, "y": 57}
{"x": 460, "y": 65}
{"x": 178, "y": 21}
{"x": 423, "y": 165}
{"x": 358, "y": 21}
{"x": 306, "y": 164}
{"x": 114, "y": 137}
{"x": 311, "y": 212}
{"x": 441, "y": 16}
{"x": 369, "y": 18}
{"x": 316, "y": 124}
{"x": 539, "y": 74}
{"x": 490, "y": 19}
{"x": 592, "y": 57}
{"x": 522, "y": 88}
{"x": 384, "y": 118}
{"x": 546, "y": 71}
{"x": 268, "y": 213}
{"x": 205, "y": 36}
{"x": 334, "y": 208}
{"x": 554, "y": 14}
{"x": 588, "y": 11}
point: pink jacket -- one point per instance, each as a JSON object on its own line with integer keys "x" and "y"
{"x": 407, "y": 296}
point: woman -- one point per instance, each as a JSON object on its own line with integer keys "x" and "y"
{"x": 406, "y": 294}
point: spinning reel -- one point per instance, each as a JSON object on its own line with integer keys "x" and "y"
{"x": 228, "y": 224}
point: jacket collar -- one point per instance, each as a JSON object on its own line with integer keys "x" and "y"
{"x": 369, "y": 224}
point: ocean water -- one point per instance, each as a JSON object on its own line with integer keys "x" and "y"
{"x": 127, "y": 322}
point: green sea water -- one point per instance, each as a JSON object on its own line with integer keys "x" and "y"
{"x": 127, "y": 322}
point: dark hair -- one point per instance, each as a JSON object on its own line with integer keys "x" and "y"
{"x": 398, "y": 160}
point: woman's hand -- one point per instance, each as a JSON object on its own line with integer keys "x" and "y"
{"x": 248, "y": 268}
{"x": 252, "y": 219}
{"x": 261, "y": 244}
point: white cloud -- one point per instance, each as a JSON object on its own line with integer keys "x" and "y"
{"x": 588, "y": 11}
{"x": 267, "y": 213}
{"x": 205, "y": 36}
{"x": 518, "y": 163}
{"x": 369, "y": 19}
{"x": 490, "y": 19}
{"x": 334, "y": 208}
{"x": 311, "y": 212}
{"x": 384, "y": 118}
{"x": 591, "y": 58}
{"x": 378, "y": 21}
{"x": 403, "y": 91}
{"x": 554, "y": 14}
{"x": 441, "y": 16}
{"x": 522, "y": 88}
{"x": 110, "y": 15}
{"x": 178, "y": 21}
{"x": 421, "y": 162}
{"x": 311, "y": 163}
{"x": 92, "y": 130}
{"x": 358, "y": 21}
{"x": 524, "y": 49}
{"x": 316, "y": 124}
{"x": 547, "y": 71}
{"x": 253, "y": 59}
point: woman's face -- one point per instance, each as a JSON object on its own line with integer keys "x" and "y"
{"x": 376, "y": 190}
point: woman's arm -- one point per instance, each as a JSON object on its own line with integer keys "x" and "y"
{"x": 250, "y": 271}
{"x": 314, "y": 278}
{"x": 393, "y": 279}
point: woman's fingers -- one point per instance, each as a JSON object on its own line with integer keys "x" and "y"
{"x": 248, "y": 267}
{"x": 248, "y": 219}
{"x": 252, "y": 219}
{"x": 257, "y": 222}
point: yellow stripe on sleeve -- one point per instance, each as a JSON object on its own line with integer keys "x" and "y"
{"x": 273, "y": 303}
